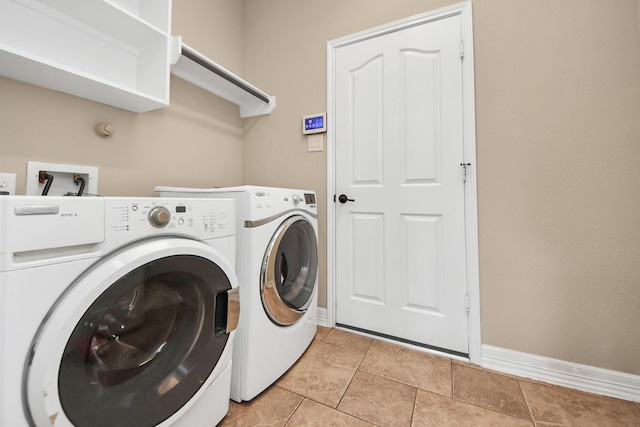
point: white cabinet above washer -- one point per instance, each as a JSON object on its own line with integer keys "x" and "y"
{"x": 117, "y": 52}
{"x": 112, "y": 51}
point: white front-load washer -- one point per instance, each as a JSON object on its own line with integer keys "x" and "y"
{"x": 277, "y": 265}
{"x": 116, "y": 311}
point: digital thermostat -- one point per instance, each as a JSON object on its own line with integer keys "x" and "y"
{"x": 314, "y": 123}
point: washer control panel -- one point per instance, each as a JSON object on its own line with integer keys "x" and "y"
{"x": 131, "y": 218}
{"x": 159, "y": 216}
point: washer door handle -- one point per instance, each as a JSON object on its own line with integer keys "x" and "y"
{"x": 227, "y": 306}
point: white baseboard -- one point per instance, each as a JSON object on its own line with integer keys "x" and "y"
{"x": 554, "y": 371}
{"x": 321, "y": 316}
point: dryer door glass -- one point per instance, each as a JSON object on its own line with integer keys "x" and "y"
{"x": 146, "y": 345}
{"x": 289, "y": 271}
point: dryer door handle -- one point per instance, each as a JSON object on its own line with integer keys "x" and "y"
{"x": 227, "y": 306}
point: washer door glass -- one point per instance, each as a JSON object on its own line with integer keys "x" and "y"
{"x": 289, "y": 271}
{"x": 146, "y": 345}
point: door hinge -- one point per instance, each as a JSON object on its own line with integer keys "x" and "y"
{"x": 461, "y": 48}
{"x": 464, "y": 171}
{"x": 467, "y": 302}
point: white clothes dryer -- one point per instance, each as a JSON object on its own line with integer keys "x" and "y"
{"x": 277, "y": 265}
{"x": 116, "y": 311}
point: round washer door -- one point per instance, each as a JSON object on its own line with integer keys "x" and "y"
{"x": 289, "y": 271}
{"x": 135, "y": 339}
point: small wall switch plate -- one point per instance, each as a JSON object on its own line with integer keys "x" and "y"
{"x": 63, "y": 183}
{"x": 315, "y": 142}
{"x": 7, "y": 184}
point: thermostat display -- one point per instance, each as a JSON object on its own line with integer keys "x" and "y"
{"x": 314, "y": 123}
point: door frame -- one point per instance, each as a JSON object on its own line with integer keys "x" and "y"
{"x": 469, "y": 143}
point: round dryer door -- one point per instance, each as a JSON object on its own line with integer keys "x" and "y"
{"x": 135, "y": 339}
{"x": 289, "y": 271}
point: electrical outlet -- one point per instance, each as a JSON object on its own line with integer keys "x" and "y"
{"x": 61, "y": 180}
{"x": 7, "y": 184}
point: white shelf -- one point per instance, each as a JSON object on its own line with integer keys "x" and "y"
{"x": 118, "y": 52}
{"x": 192, "y": 66}
{"x": 112, "y": 51}
{"x": 155, "y": 12}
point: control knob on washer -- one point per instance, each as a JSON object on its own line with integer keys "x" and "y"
{"x": 159, "y": 216}
{"x": 296, "y": 199}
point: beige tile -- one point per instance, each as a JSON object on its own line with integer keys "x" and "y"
{"x": 474, "y": 366}
{"x": 422, "y": 370}
{"x": 347, "y": 340}
{"x": 379, "y": 400}
{"x": 489, "y": 390}
{"x": 322, "y": 373}
{"x": 272, "y": 408}
{"x": 314, "y": 414}
{"x": 433, "y": 410}
{"x": 552, "y": 405}
{"x": 321, "y": 331}
{"x": 335, "y": 368}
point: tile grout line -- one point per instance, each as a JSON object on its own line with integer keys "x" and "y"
{"x": 526, "y": 401}
{"x": 415, "y": 388}
{"x": 415, "y": 405}
{"x": 295, "y": 410}
{"x": 352, "y": 377}
{"x": 354, "y": 372}
{"x": 452, "y": 380}
{"x": 350, "y": 381}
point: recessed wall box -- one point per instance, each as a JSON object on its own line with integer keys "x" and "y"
{"x": 63, "y": 180}
{"x": 314, "y": 123}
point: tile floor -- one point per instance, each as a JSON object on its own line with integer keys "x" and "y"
{"x": 345, "y": 379}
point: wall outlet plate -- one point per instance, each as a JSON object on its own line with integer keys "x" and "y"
{"x": 315, "y": 142}
{"x": 7, "y": 184}
{"x": 63, "y": 183}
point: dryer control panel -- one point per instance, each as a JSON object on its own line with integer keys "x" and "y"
{"x": 281, "y": 199}
{"x": 310, "y": 198}
{"x": 304, "y": 198}
{"x": 131, "y": 218}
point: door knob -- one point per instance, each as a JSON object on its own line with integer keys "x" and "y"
{"x": 344, "y": 199}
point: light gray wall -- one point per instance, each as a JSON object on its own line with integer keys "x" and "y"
{"x": 557, "y": 104}
{"x": 196, "y": 141}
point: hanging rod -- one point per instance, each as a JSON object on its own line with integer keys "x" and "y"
{"x": 204, "y": 62}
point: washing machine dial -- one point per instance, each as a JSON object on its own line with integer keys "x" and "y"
{"x": 296, "y": 199}
{"x": 159, "y": 216}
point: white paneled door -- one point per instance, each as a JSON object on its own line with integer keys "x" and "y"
{"x": 400, "y": 226}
